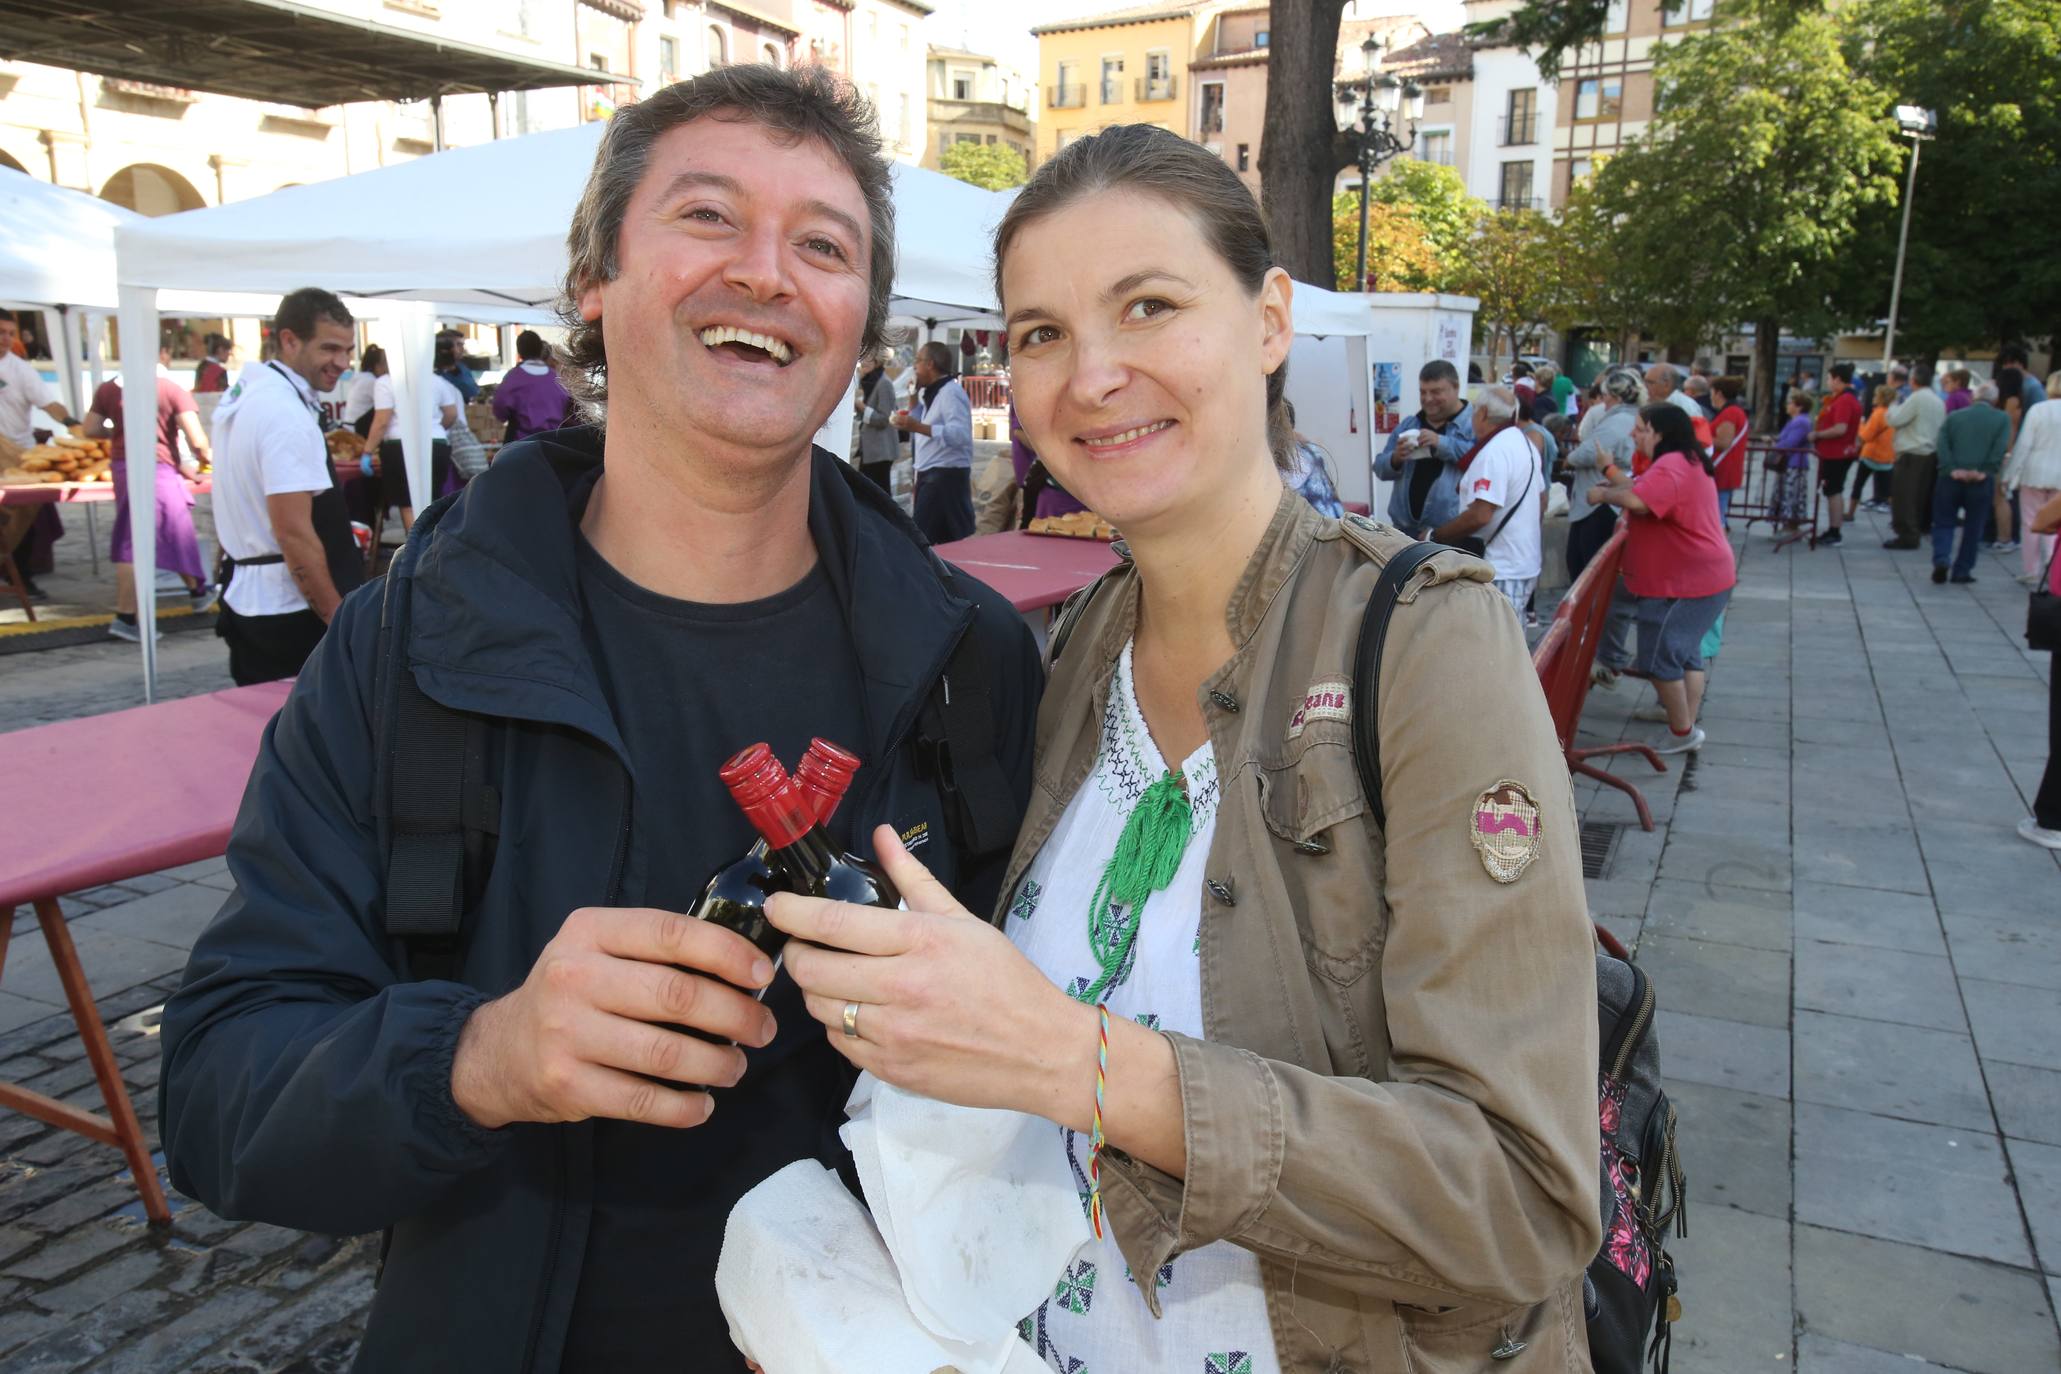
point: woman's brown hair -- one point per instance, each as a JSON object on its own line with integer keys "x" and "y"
{"x": 1146, "y": 158}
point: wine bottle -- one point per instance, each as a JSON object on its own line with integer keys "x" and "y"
{"x": 798, "y": 852}
{"x": 735, "y": 897}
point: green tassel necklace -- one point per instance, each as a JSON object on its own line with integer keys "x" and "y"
{"x": 1148, "y": 854}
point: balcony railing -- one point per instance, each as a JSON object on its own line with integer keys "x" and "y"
{"x": 1518, "y": 132}
{"x": 1066, "y": 97}
{"x": 1152, "y": 88}
{"x": 1519, "y": 203}
{"x": 1112, "y": 90}
{"x": 1442, "y": 157}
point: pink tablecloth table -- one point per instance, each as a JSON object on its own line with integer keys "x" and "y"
{"x": 134, "y": 791}
{"x": 1035, "y": 571}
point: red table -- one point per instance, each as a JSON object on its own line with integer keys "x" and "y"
{"x": 143, "y": 789}
{"x": 22, "y": 496}
{"x": 1035, "y": 571}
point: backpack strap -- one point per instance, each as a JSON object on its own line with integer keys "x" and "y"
{"x": 1074, "y": 609}
{"x": 437, "y": 808}
{"x": 1367, "y": 671}
{"x": 955, "y": 749}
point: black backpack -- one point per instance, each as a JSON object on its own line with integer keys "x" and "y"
{"x": 1629, "y": 1289}
{"x": 438, "y": 808}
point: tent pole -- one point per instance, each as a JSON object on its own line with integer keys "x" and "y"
{"x": 138, "y": 314}
{"x": 436, "y": 121}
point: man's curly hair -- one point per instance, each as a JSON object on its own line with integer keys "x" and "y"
{"x": 793, "y": 105}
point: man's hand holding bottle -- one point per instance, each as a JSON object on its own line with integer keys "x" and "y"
{"x": 591, "y": 1032}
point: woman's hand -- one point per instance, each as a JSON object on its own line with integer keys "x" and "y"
{"x": 947, "y": 1006}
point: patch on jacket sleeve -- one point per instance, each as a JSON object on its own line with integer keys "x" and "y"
{"x": 1324, "y": 701}
{"x": 1505, "y": 830}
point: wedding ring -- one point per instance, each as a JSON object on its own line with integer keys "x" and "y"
{"x": 851, "y": 1020}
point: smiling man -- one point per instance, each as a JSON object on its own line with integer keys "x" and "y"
{"x": 608, "y": 615}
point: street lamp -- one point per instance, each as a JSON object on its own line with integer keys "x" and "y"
{"x": 1383, "y": 102}
{"x": 1917, "y": 124}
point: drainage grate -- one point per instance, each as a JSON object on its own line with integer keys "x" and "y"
{"x": 1599, "y": 846}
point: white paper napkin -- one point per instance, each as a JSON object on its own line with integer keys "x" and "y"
{"x": 974, "y": 1216}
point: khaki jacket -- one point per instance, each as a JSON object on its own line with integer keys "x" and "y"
{"x": 1395, "y": 1104}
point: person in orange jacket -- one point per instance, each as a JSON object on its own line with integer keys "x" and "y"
{"x": 1878, "y": 451}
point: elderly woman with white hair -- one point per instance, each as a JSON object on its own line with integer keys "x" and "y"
{"x": 1607, "y": 445}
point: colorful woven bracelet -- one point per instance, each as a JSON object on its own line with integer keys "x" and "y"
{"x": 1097, "y": 1140}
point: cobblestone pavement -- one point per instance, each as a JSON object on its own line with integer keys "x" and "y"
{"x": 1859, "y": 967}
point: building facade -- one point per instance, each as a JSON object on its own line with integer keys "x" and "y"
{"x": 1513, "y": 121}
{"x": 1126, "y": 67}
{"x": 1228, "y": 92}
{"x": 1606, "y": 87}
{"x": 972, "y": 98}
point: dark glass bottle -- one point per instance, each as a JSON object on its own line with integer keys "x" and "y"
{"x": 798, "y": 852}
{"x": 735, "y": 897}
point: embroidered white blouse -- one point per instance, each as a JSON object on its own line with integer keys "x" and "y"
{"x": 1215, "y": 1311}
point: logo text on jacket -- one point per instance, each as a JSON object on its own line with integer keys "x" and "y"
{"x": 1324, "y": 701}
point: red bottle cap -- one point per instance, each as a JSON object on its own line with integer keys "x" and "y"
{"x": 777, "y": 808}
{"x": 825, "y": 774}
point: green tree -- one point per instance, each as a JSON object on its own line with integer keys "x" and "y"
{"x": 987, "y": 165}
{"x": 1510, "y": 267}
{"x": 1596, "y": 288}
{"x": 1982, "y": 267}
{"x": 1400, "y": 256}
{"x": 1437, "y": 197}
{"x": 1742, "y": 200}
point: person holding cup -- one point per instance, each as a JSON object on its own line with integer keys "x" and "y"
{"x": 1422, "y": 458}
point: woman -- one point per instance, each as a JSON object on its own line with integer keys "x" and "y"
{"x": 178, "y": 548}
{"x": 1607, "y": 445}
{"x": 1678, "y": 562}
{"x": 1793, "y": 454}
{"x": 2033, "y": 473}
{"x": 1309, "y": 470}
{"x": 1959, "y": 389}
{"x": 874, "y": 404}
{"x": 1728, "y": 436}
{"x": 2043, "y": 826}
{"x": 1350, "y": 1074}
{"x": 1878, "y": 450}
{"x": 440, "y": 401}
{"x": 1042, "y": 496}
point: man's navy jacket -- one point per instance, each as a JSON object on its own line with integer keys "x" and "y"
{"x": 307, "y": 1079}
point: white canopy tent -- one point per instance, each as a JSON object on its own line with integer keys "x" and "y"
{"x": 58, "y": 254}
{"x": 376, "y": 236}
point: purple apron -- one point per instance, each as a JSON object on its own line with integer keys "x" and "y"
{"x": 177, "y": 549}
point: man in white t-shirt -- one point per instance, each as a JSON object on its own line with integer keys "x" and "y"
{"x": 1503, "y": 487}
{"x": 278, "y": 514}
{"x": 23, "y": 392}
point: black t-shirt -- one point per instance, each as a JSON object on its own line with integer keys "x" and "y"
{"x": 690, "y": 685}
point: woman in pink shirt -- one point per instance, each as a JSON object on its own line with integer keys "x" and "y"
{"x": 1677, "y": 561}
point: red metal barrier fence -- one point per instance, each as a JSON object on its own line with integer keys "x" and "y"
{"x": 1759, "y": 501}
{"x": 1567, "y": 655}
{"x": 987, "y": 392}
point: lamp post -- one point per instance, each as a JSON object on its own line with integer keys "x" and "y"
{"x": 1381, "y": 135}
{"x": 1918, "y": 124}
